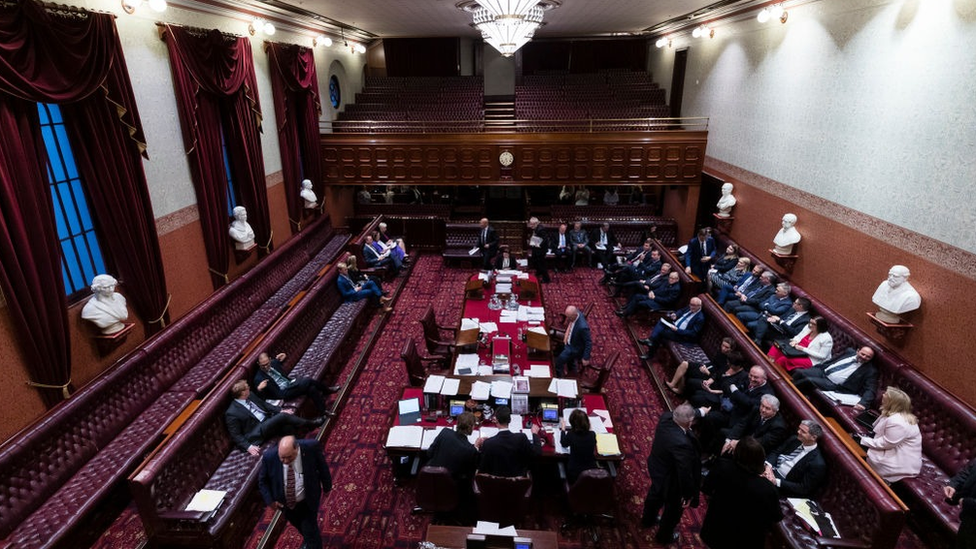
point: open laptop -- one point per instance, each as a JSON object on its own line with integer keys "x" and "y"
{"x": 866, "y": 419}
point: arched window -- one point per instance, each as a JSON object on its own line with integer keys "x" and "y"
{"x": 335, "y": 94}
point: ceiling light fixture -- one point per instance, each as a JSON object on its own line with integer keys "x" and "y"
{"x": 323, "y": 40}
{"x": 663, "y": 41}
{"x": 775, "y": 11}
{"x": 260, "y": 25}
{"x": 507, "y": 25}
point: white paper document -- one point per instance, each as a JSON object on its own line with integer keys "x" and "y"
{"x": 538, "y": 330}
{"x": 433, "y": 384}
{"x": 473, "y": 251}
{"x": 469, "y": 324}
{"x": 522, "y": 263}
{"x": 429, "y": 436}
{"x": 843, "y": 398}
{"x": 409, "y": 406}
{"x": 523, "y": 314}
{"x": 489, "y": 432}
{"x": 515, "y": 425}
{"x": 480, "y": 390}
{"x": 597, "y": 425}
{"x": 557, "y": 437}
{"x": 492, "y": 528}
{"x": 535, "y": 241}
{"x": 501, "y": 389}
{"x": 450, "y": 387}
{"x": 605, "y": 416}
{"x": 503, "y": 288}
{"x": 489, "y": 327}
{"x": 405, "y": 436}
{"x": 206, "y": 500}
{"x": 468, "y": 362}
{"x": 485, "y": 370}
{"x": 538, "y": 370}
{"x": 509, "y": 273}
{"x": 508, "y": 317}
{"x": 565, "y": 388}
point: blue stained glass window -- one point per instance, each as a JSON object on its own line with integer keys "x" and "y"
{"x": 81, "y": 256}
{"x": 231, "y": 191}
{"x": 335, "y": 94}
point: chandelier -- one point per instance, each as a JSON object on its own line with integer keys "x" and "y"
{"x": 507, "y": 24}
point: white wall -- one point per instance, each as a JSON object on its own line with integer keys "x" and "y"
{"x": 867, "y": 103}
{"x": 167, "y": 171}
{"x": 499, "y": 72}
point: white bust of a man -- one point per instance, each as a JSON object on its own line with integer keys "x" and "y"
{"x": 896, "y": 296}
{"x": 726, "y": 202}
{"x": 787, "y": 236}
{"x": 308, "y": 195}
{"x": 240, "y": 231}
{"x": 106, "y": 309}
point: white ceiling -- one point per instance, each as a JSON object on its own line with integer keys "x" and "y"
{"x": 415, "y": 18}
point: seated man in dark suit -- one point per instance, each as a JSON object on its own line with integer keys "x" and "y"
{"x": 683, "y": 326}
{"x": 752, "y": 297}
{"x": 376, "y": 255}
{"x": 778, "y": 303}
{"x": 851, "y": 373}
{"x": 508, "y": 454}
{"x": 603, "y": 242}
{"x": 765, "y": 424}
{"x": 251, "y": 421}
{"x": 452, "y": 450}
{"x": 743, "y": 284}
{"x": 662, "y": 296}
{"x": 784, "y": 326}
{"x": 351, "y": 291}
{"x": 646, "y": 280}
{"x": 270, "y": 382}
{"x": 577, "y": 343}
{"x": 637, "y": 263}
{"x": 562, "y": 249}
{"x": 797, "y": 467}
{"x": 690, "y": 372}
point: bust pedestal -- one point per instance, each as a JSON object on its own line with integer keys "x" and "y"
{"x": 786, "y": 261}
{"x": 106, "y": 343}
{"x": 895, "y": 331}
{"x": 241, "y": 254}
{"x": 723, "y": 223}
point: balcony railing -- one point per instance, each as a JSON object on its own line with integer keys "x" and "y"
{"x": 516, "y": 126}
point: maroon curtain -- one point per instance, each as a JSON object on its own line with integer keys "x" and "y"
{"x": 213, "y": 76}
{"x": 296, "y": 100}
{"x": 76, "y": 60}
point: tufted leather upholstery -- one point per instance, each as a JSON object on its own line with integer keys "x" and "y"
{"x": 56, "y": 473}
{"x": 315, "y": 333}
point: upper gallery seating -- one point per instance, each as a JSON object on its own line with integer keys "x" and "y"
{"x": 454, "y": 103}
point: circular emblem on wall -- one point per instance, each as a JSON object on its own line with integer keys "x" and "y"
{"x": 506, "y": 159}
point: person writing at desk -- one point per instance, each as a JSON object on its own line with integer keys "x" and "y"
{"x": 508, "y": 454}
{"x": 581, "y": 442}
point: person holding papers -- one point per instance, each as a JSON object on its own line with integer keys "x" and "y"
{"x": 539, "y": 246}
{"x": 581, "y": 442}
{"x": 487, "y": 243}
{"x": 683, "y": 326}
{"x": 577, "y": 343}
{"x": 851, "y": 373}
{"x": 895, "y": 450}
{"x": 292, "y": 478}
{"x": 508, "y": 454}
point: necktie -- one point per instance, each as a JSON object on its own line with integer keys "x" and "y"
{"x": 789, "y": 459}
{"x": 484, "y": 236}
{"x": 840, "y": 365}
{"x": 258, "y": 413}
{"x": 290, "y": 486}
{"x": 793, "y": 316}
{"x": 603, "y": 238}
{"x": 281, "y": 380}
{"x": 703, "y": 248}
{"x": 569, "y": 332}
{"x": 683, "y": 321}
{"x": 562, "y": 241}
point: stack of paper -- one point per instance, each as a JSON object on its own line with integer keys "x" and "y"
{"x": 509, "y": 273}
{"x": 480, "y": 390}
{"x": 523, "y": 313}
{"x": 536, "y": 314}
{"x": 596, "y": 425}
{"x": 492, "y": 529}
{"x": 489, "y": 327}
{"x": 538, "y": 330}
{"x": 565, "y": 388}
{"x": 450, "y": 387}
{"x": 503, "y": 288}
{"x": 469, "y": 324}
{"x": 466, "y": 364}
{"x": 409, "y": 411}
{"x": 508, "y": 317}
{"x": 485, "y": 370}
{"x": 515, "y": 425}
{"x": 538, "y": 370}
{"x": 429, "y": 436}
{"x": 434, "y": 384}
{"x": 483, "y": 275}
{"x": 503, "y": 278}
{"x": 206, "y": 501}
{"x": 605, "y": 416}
{"x": 843, "y": 398}
{"x": 606, "y": 444}
{"x": 405, "y": 436}
{"x": 501, "y": 389}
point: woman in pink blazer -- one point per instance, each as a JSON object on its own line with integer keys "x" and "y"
{"x": 895, "y": 452}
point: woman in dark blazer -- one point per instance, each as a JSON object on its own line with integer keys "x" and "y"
{"x": 581, "y": 442}
{"x": 742, "y": 505}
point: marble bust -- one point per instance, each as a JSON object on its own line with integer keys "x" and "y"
{"x": 787, "y": 236}
{"x": 107, "y": 308}
{"x": 240, "y": 231}
{"x": 726, "y": 202}
{"x": 308, "y": 195}
{"x": 896, "y": 296}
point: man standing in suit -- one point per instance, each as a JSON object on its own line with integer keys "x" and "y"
{"x": 270, "y": 382}
{"x": 487, "y": 243}
{"x": 684, "y": 326}
{"x": 251, "y": 421}
{"x": 797, "y": 467}
{"x": 539, "y": 246}
{"x": 292, "y": 478}
{"x": 508, "y": 454}
{"x": 962, "y": 489}
{"x": 852, "y": 373}
{"x": 765, "y": 424}
{"x": 782, "y": 326}
{"x": 577, "y": 343}
{"x": 674, "y": 466}
{"x": 700, "y": 254}
{"x": 579, "y": 241}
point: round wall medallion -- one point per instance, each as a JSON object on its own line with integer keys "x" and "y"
{"x": 506, "y": 159}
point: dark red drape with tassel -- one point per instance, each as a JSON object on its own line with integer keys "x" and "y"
{"x": 215, "y": 85}
{"x": 296, "y": 101}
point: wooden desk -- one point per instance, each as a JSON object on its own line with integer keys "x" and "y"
{"x": 455, "y": 537}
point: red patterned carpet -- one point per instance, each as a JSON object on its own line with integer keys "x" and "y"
{"x": 366, "y": 510}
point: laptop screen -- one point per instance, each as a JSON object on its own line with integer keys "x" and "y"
{"x": 457, "y": 408}
{"x": 550, "y": 412}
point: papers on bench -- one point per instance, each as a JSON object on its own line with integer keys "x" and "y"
{"x": 605, "y": 416}
{"x": 537, "y": 370}
{"x": 501, "y": 389}
{"x": 429, "y": 436}
{"x": 492, "y": 529}
{"x": 507, "y": 317}
{"x": 206, "y": 501}
{"x": 480, "y": 390}
{"x": 812, "y": 514}
{"x": 488, "y": 327}
{"x": 450, "y": 387}
{"x": 503, "y": 288}
{"x": 441, "y": 385}
{"x": 565, "y": 388}
{"x": 466, "y": 364}
{"x": 533, "y": 314}
{"x": 474, "y": 250}
{"x": 469, "y": 324}
{"x": 842, "y": 398}
{"x": 507, "y": 273}
{"x": 606, "y": 444}
{"x": 405, "y": 436}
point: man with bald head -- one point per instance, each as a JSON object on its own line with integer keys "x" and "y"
{"x": 683, "y": 326}
{"x": 851, "y": 372}
{"x": 292, "y": 478}
{"x": 577, "y": 342}
{"x": 487, "y": 243}
{"x": 674, "y": 466}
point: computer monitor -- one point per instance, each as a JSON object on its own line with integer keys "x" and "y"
{"x": 550, "y": 413}
{"x": 501, "y": 402}
{"x": 457, "y": 408}
{"x": 523, "y": 543}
